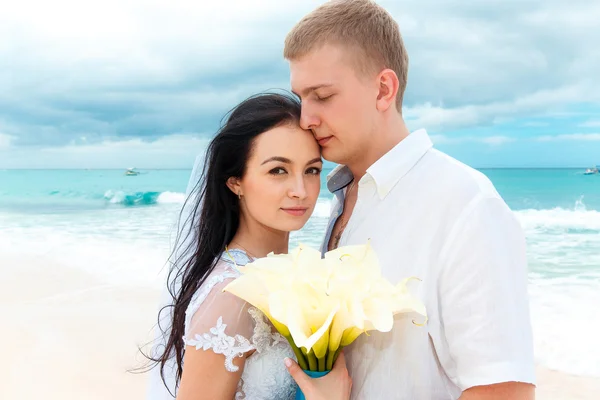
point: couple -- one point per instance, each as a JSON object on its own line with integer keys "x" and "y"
{"x": 426, "y": 215}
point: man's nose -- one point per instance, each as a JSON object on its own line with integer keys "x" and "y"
{"x": 308, "y": 119}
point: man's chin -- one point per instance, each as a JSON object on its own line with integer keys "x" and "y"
{"x": 331, "y": 155}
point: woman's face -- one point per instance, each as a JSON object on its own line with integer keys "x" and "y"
{"x": 282, "y": 180}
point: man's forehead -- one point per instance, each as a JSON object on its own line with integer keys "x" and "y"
{"x": 315, "y": 70}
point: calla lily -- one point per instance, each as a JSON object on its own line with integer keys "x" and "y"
{"x": 252, "y": 289}
{"x": 406, "y": 302}
{"x": 321, "y": 305}
{"x": 368, "y": 301}
{"x": 289, "y": 290}
{"x": 355, "y": 260}
{"x": 308, "y": 314}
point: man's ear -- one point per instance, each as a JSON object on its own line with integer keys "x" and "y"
{"x": 388, "y": 89}
{"x": 234, "y": 185}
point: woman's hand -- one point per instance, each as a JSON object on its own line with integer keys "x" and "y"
{"x": 336, "y": 385}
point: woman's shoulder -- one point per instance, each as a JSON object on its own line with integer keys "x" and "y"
{"x": 234, "y": 258}
{"x": 225, "y": 270}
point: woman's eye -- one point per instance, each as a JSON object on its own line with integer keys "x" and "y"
{"x": 313, "y": 171}
{"x": 277, "y": 171}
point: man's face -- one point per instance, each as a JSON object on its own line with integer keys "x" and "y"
{"x": 338, "y": 103}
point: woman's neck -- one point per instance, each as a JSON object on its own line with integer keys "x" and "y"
{"x": 258, "y": 240}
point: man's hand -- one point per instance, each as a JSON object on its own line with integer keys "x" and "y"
{"x": 500, "y": 391}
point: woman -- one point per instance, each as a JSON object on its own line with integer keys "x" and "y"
{"x": 261, "y": 180}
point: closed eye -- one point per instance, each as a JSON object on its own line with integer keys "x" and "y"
{"x": 324, "y": 98}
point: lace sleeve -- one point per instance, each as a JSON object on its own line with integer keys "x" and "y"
{"x": 219, "y": 321}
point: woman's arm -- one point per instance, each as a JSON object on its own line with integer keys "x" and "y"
{"x": 205, "y": 377}
{"x": 218, "y": 332}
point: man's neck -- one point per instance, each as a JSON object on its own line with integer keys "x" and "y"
{"x": 392, "y": 132}
{"x": 258, "y": 240}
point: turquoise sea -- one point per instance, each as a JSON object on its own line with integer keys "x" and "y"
{"x": 120, "y": 228}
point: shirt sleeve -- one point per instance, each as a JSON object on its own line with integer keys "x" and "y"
{"x": 483, "y": 299}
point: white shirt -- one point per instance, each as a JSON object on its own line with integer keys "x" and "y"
{"x": 432, "y": 217}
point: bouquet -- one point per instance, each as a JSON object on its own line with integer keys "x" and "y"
{"x": 320, "y": 305}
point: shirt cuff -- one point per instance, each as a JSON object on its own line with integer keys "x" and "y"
{"x": 496, "y": 373}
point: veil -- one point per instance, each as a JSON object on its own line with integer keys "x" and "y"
{"x": 180, "y": 248}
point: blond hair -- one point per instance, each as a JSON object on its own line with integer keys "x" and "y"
{"x": 360, "y": 25}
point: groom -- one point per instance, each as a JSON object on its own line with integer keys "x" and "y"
{"x": 427, "y": 215}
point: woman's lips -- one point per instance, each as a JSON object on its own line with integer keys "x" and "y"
{"x": 296, "y": 211}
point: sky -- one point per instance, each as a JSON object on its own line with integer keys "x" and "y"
{"x": 120, "y": 83}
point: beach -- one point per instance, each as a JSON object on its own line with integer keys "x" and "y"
{"x": 72, "y": 336}
{"x": 82, "y": 261}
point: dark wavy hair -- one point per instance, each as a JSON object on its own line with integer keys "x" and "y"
{"x": 215, "y": 210}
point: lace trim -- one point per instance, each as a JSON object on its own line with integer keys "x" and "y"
{"x": 263, "y": 336}
{"x": 221, "y": 343}
{"x": 235, "y": 346}
{"x": 217, "y": 340}
{"x": 239, "y": 394}
{"x": 201, "y": 294}
{"x": 239, "y": 258}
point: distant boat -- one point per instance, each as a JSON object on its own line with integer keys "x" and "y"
{"x": 131, "y": 172}
{"x": 592, "y": 171}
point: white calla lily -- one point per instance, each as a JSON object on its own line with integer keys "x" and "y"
{"x": 323, "y": 304}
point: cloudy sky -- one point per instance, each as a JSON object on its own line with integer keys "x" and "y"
{"x": 90, "y": 84}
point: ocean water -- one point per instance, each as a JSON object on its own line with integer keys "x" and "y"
{"x": 120, "y": 228}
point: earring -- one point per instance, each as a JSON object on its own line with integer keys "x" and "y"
{"x": 240, "y": 195}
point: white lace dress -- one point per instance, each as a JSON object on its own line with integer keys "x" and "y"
{"x": 221, "y": 322}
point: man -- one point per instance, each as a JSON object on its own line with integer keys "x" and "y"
{"x": 426, "y": 214}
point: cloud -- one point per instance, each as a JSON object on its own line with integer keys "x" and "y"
{"x": 490, "y": 140}
{"x": 536, "y": 124}
{"x": 438, "y": 117}
{"x": 174, "y": 151}
{"x": 474, "y": 64}
{"x": 5, "y": 140}
{"x": 133, "y": 69}
{"x": 497, "y": 140}
{"x": 497, "y": 51}
{"x": 580, "y": 137}
{"x": 590, "y": 124}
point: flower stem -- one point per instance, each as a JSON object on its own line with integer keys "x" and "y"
{"x": 299, "y": 356}
{"x": 312, "y": 361}
{"x": 322, "y": 361}
{"x": 331, "y": 357}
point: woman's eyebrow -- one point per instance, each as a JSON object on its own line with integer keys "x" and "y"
{"x": 279, "y": 159}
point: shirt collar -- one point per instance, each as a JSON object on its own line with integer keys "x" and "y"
{"x": 339, "y": 178}
{"x": 390, "y": 168}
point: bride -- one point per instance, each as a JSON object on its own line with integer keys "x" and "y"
{"x": 261, "y": 180}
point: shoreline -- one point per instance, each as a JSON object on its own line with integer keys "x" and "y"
{"x": 76, "y": 336}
